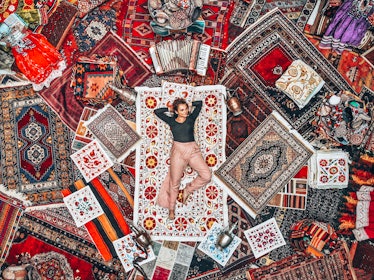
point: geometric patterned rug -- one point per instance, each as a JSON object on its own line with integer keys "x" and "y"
{"x": 135, "y": 27}
{"x": 336, "y": 265}
{"x": 259, "y": 56}
{"x": 207, "y": 205}
{"x": 263, "y": 163}
{"x": 9, "y": 218}
{"x": 56, "y": 228}
{"x": 34, "y": 147}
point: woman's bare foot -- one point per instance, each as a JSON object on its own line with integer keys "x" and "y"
{"x": 185, "y": 196}
{"x": 171, "y": 214}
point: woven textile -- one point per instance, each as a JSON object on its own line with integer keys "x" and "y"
{"x": 93, "y": 77}
{"x": 111, "y": 129}
{"x": 263, "y": 52}
{"x": 59, "y": 23}
{"x": 133, "y": 67}
{"x": 208, "y": 204}
{"x": 261, "y": 166}
{"x": 10, "y": 216}
{"x": 337, "y": 265}
{"x": 109, "y": 226}
{"x": 264, "y": 238}
{"x": 247, "y": 12}
{"x": 92, "y": 160}
{"x": 138, "y": 33}
{"x": 209, "y": 247}
{"x": 300, "y": 82}
{"x": 34, "y": 147}
{"x": 294, "y": 194}
{"x": 93, "y": 27}
{"x": 50, "y": 259}
{"x": 329, "y": 169}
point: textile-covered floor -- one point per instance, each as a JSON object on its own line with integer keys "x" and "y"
{"x": 252, "y": 44}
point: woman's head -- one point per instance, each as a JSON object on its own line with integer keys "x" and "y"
{"x": 180, "y": 104}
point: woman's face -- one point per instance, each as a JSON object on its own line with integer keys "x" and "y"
{"x": 182, "y": 110}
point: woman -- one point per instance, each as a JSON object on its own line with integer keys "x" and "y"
{"x": 184, "y": 152}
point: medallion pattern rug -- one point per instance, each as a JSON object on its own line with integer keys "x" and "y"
{"x": 35, "y": 148}
{"x": 261, "y": 54}
{"x": 208, "y": 204}
{"x": 263, "y": 164}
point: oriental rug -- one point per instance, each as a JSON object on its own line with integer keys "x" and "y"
{"x": 137, "y": 32}
{"x": 59, "y": 23}
{"x": 262, "y": 164}
{"x": 60, "y": 96}
{"x": 260, "y": 55}
{"x": 53, "y": 260}
{"x": 152, "y": 163}
{"x": 247, "y": 12}
{"x": 337, "y": 265}
{"x": 9, "y": 219}
{"x": 35, "y": 148}
{"x": 110, "y": 128}
{"x": 133, "y": 67}
{"x": 93, "y": 27}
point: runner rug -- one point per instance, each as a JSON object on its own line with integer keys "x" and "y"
{"x": 207, "y": 205}
{"x": 337, "y": 265}
{"x": 260, "y": 55}
{"x": 34, "y": 148}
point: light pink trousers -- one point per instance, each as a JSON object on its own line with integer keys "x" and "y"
{"x": 183, "y": 154}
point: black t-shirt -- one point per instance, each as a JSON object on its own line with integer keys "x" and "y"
{"x": 182, "y": 132}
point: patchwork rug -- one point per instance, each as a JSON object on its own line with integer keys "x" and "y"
{"x": 208, "y": 204}
{"x": 337, "y": 265}
{"x": 172, "y": 261}
{"x": 10, "y": 216}
{"x": 260, "y": 55}
{"x": 137, "y": 32}
{"x": 263, "y": 164}
{"x": 35, "y": 148}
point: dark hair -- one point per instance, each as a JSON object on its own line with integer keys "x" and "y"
{"x": 177, "y": 102}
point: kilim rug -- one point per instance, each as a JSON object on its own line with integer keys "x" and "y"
{"x": 135, "y": 70}
{"x": 34, "y": 146}
{"x": 60, "y": 96}
{"x": 261, "y": 166}
{"x": 137, "y": 32}
{"x": 93, "y": 27}
{"x": 9, "y": 218}
{"x": 208, "y": 204}
{"x": 337, "y": 265}
{"x": 260, "y": 55}
{"x": 248, "y": 12}
{"x": 105, "y": 228}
